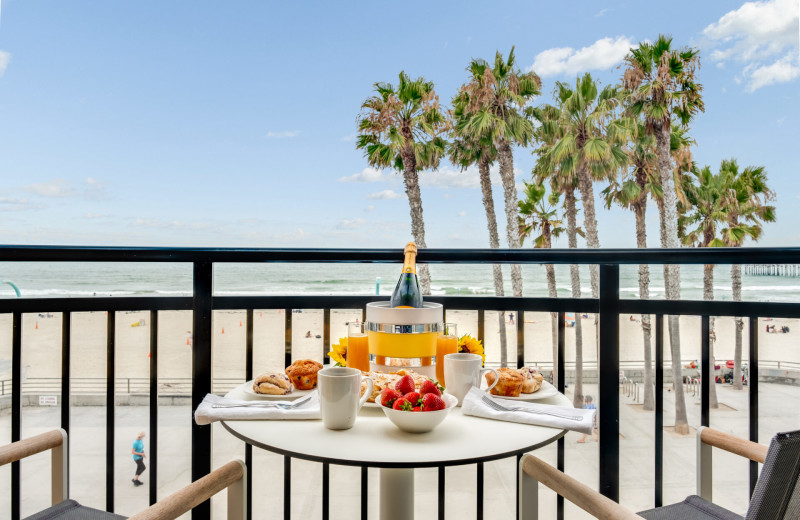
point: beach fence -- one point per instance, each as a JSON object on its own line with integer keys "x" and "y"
{"x": 608, "y": 306}
{"x": 787, "y": 270}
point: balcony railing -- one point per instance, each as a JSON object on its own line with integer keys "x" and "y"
{"x": 202, "y": 302}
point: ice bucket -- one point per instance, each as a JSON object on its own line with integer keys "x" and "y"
{"x": 403, "y": 338}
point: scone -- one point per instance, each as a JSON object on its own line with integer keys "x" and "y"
{"x": 272, "y": 383}
{"x": 510, "y": 383}
{"x": 533, "y": 380}
{"x": 303, "y": 373}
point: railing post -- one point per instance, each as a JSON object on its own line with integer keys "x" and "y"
{"x": 201, "y": 376}
{"x": 608, "y": 384}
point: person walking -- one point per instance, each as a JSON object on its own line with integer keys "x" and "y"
{"x": 138, "y": 458}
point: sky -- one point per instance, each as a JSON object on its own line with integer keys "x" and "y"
{"x": 232, "y": 124}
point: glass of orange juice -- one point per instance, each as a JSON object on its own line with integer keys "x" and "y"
{"x": 357, "y": 346}
{"x": 446, "y": 343}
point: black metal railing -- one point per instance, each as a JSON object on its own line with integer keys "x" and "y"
{"x": 202, "y": 302}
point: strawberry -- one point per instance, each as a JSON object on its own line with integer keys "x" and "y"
{"x": 413, "y": 398}
{"x": 402, "y": 404}
{"x": 405, "y": 385}
{"x": 432, "y": 402}
{"x": 416, "y": 409}
{"x": 389, "y": 396}
{"x": 430, "y": 387}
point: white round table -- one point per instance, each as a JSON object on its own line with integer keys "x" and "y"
{"x": 375, "y": 442}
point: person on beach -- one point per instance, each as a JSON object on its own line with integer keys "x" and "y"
{"x": 511, "y": 318}
{"x": 138, "y": 458}
{"x": 587, "y": 404}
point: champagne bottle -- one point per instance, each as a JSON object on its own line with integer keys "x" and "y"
{"x": 407, "y": 294}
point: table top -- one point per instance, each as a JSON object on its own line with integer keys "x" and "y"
{"x": 374, "y": 441}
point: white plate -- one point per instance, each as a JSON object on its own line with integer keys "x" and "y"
{"x": 547, "y": 390}
{"x": 291, "y": 396}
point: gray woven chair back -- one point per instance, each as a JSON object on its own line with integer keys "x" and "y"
{"x": 777, "y": 493}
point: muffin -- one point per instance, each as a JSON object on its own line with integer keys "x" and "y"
{"x": 510, "y": 383}
{"x": 303, "y": 373}
{"x": 272, "y": 383}
{"x": 533, "y": 380}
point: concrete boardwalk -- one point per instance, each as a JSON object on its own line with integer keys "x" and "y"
{"x": 779, "y": 411}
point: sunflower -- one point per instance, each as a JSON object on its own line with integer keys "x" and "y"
{"x": 470, "y": 345}
{"x": 338, "y": 352}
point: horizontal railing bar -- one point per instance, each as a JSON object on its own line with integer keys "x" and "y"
{"x": 492, "y": 303}
{"x": 97, "y": 304}
{"x": 710, "y": 308}
{"x": 744, "y": 255}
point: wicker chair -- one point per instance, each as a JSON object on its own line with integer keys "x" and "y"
{"x": 232, "y": 476}
{"x": 776, "y": 496}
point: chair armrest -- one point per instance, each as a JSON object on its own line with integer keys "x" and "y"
{"x": 55, "y": 440}
{"x": 725, "y": 441}
{"x": 580, "y": 494}
{"x": 231, "y": 475}
{"x": 30, "y": 446}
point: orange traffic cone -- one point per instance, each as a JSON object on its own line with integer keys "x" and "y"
{"x": 240, "y": 323}
{"x": 37, "y": 325}
{"x": 259, "y": 314}
{"x": 188, "y": 342}
{"x": 223, "y": 330}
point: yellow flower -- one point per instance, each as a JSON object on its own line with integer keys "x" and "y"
{"x": 338, "y": 352}
{"x": 470, "y": 345}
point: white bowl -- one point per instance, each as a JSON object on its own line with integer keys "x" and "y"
{"x": 420, "y": 422}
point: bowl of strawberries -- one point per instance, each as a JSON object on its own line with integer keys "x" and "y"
{"x": 416, "y": 411}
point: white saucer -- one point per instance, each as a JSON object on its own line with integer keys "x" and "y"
{"x": 547, "y": 390}
{"x": 291, "y": 396}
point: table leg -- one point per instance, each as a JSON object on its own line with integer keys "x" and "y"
{"x": 397, "y": 494}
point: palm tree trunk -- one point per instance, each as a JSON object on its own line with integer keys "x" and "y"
{"x": 411, "y": 181}
{"x": 736, "y": 286}
{"x": 494, "y": 243}
{"x": 589, "y": 222}
{"x": 506, "y": 159}
{"x": 551, "y": 292}
{"x": 575, "y": 283}
{"x": 672, "y": 273}
{"x": 640, "y": 209}
{"x": 708, "y": 294}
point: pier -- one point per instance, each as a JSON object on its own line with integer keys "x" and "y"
{"x": 790, "y": 270}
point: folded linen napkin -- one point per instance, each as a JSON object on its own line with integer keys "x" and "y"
{"x": 253, "y": 410}
{"x": 561, "y": 417}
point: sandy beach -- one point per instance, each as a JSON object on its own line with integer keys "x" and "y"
{"x": 42, "y": 341}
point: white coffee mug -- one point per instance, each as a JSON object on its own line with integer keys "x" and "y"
{"x": 463, "y": 371}
{"x": 339, "y": 391}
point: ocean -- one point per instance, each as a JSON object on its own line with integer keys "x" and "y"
{"x": 82, "y": 279}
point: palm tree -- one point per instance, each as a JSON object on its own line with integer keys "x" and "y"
{"x": 747, "y": 211}
{"x": 706, "y": 202}
{"x": 549, "y": 131}
{"x": 588, "y": 145}
{"x": 631, "y": 192}
{"x": 493, "y": 98}
{"x": 662, "y": 84}
{"x": 465, "y": 151}
{"x": 538, "y": 213}
{"x": 400, "y": 127}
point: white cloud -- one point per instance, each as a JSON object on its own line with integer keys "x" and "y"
{"x": 16, "y": 204}
{"x": 782, "y": 71}
{"x": 5, "y": 58}
{"x": 369, "y": 209}
{"x": 384, "y": 195}
{"x": 601, "y": 55}
{"x": 462, "y": 213}
{"x": 92, "y": 216}
{"x": 469, "y": 178}
{"x": 54, "y": 188}
{"x": 601, "y": 12}
{"x": 367, "y": 175}
{"x": 283, "y": 134}
{"x": 348, "y": 138}
{"x": 754, "y": 35}
{"x": 350, "y": 224}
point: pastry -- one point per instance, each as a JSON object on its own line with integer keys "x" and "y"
{"x": 382, "y": 380}
{"x": 533, "y": 380}
{"x": 303, "y": 373}
{"x": 272, "y": 383}
{"x": 510, "y": 383}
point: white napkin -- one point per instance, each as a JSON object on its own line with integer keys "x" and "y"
{"x": 251, "y": 411}
{"x": 473, "y": 405}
